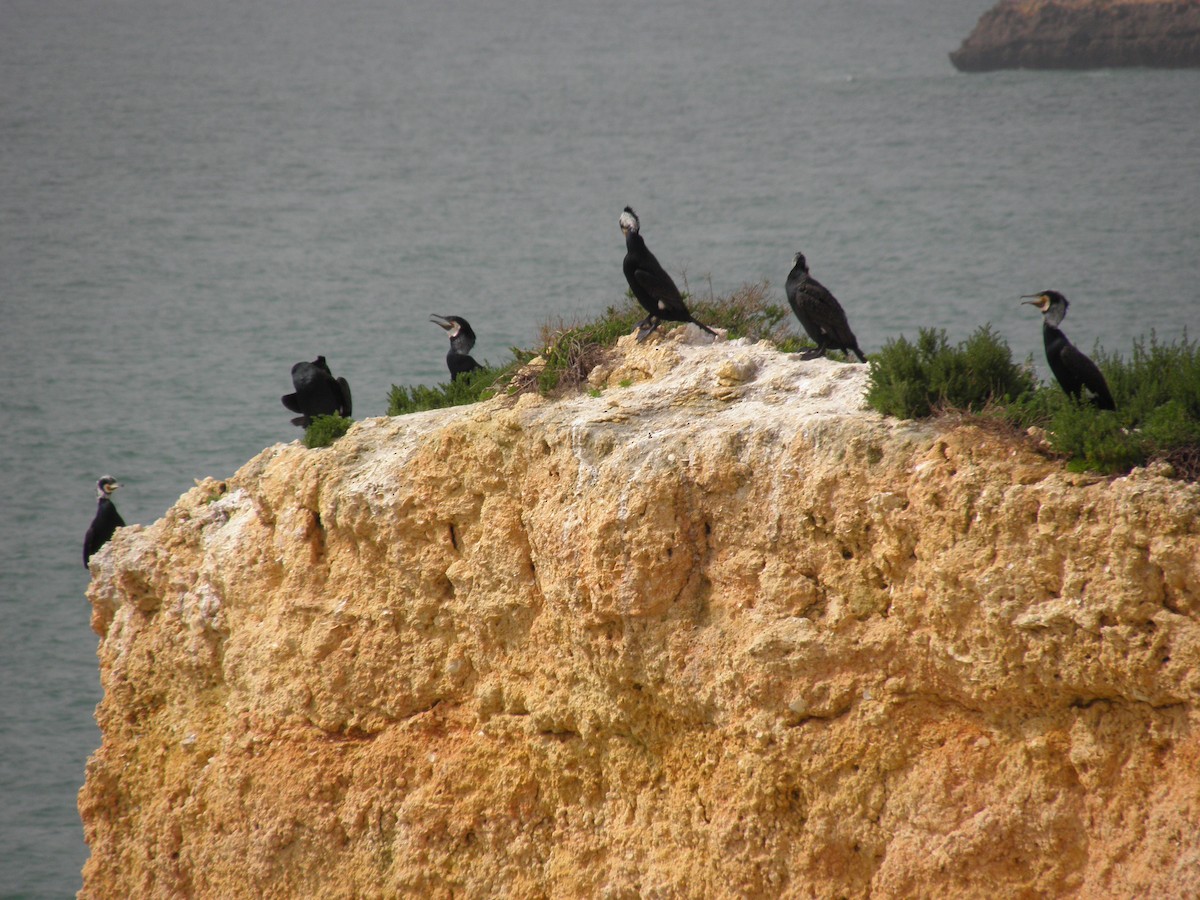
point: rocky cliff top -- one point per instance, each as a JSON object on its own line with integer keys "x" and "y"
{"x": 717, "y": 631}
{"x": 1083, "y": 34}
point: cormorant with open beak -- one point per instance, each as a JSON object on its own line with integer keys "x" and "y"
{"x": 462, "y": 339}
{"x": 1073, "y": 370}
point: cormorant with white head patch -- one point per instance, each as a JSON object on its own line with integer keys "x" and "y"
{"x": 819, "y": 312}
{"x": 318, "y": 393}
{"x": 462, "y": 338}
{"x": 107, "y": 518}
{"x": 1073, "y": 370}
{"x": 650, "y": 283}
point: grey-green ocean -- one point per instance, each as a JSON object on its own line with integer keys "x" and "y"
{"x": 194, "y": 196}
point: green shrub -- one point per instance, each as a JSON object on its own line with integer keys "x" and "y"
{"x": 914, "y": 380}
{"x": 1155, "y": 375}
{"x": 324, "y": 430}
{"x": 1171, "y": 426}
{"x": 470, "y": 387}
{"x": 1157, "y": 393}
{"x": 1093, "y": 439}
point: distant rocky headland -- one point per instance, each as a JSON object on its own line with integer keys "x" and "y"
{"x": 1083, "y": 34}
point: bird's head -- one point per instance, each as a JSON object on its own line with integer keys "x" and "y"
{"x": 1052, "y": 304}
{"x": 106, "y": 486}
{"x": 629, "y": 221}
{"x": 799, "y": 262}
{"x": 457, "y": 329}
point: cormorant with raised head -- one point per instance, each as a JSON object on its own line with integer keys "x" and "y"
{"x": 462, "y": 338}
{"x": 819, "y": 312}
{"x": 107, "y": 518}
{"x": 1073, "y": 370}
{"x": 318, "y": 393}
{"x": 650, "y": 283}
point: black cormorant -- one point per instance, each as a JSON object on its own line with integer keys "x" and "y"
{"x": 1073, "y": 370}
{"x": 107, "y": 518}
{"x": 650, "y": 283}
{"x": 462, "y": 339}
{"x": 819, "y": 312}
{"x": 318, "y": 393}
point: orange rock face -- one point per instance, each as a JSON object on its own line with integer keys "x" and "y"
{"x": 718, "y": 633}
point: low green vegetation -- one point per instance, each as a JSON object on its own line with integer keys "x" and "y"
{"x": 1157, "y": 392}
{"x": 324, "y": 430}
{"x": 471, "y": 387}
{"x": 913, "y": 380}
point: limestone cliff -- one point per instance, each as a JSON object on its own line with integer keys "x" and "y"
{"x": 1083, "y": 34}
{"x": 718, "y": 631}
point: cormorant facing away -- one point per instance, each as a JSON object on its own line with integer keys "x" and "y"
{"x": 1073, "y": 370}
{"x": 650, "y": 283}
{"x": 107, "y": 518}
{"x": 318, "y": 393}
{"x": 819, "y": 312}
{"x": 462, "y": 339}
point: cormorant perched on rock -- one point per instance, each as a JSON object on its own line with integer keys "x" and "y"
{"x": 1073, "y": 370}
{"x": 462, "y": 339}
{"x": 650, "y": 283}
{"x": 318, "y": 393}
{"x": 819, "y": 312}
{"x": 107, "y": 518}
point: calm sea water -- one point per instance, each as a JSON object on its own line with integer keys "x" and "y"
{"x": 195, "y": 196}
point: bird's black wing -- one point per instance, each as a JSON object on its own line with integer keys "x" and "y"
{"x": 795, "y": 297}
{"x": 822, "y": 305}
{"x": 292, "y": 402}
{"x": 344, "y": 389}
{"x": 1086, "y": 372}
{"x": 809, "y": 301}
{"x": 460, "y": 364}
{"x": 830, "y": 313}
{"x": 661, "y": 287}
{"x": 107, "y": 521}
{"x": 89, "y": 543}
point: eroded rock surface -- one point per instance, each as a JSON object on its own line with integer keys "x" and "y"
{"x": 1083, "y": 34}
{"x": 718, "y": 631}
